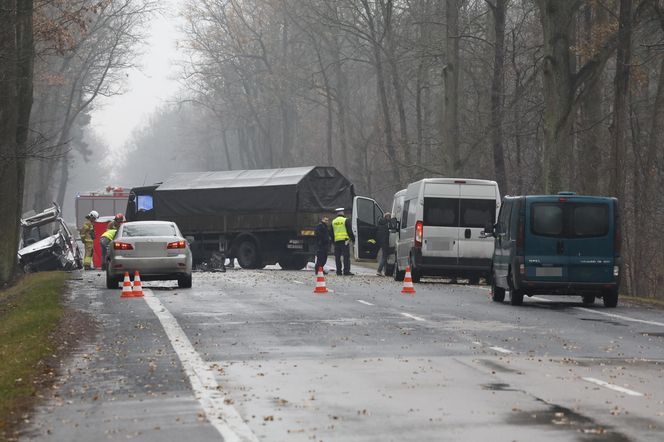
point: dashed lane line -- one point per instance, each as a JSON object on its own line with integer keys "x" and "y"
{"x": 225, "y": 418}
{"x": 613, "y": 387}
{"x": 297, "y": 282}
{"x": 609, "y": 315}
{"x": 417, "y": 318}
{"x": 364, "y": 302}
{"x": 501, "y": 350}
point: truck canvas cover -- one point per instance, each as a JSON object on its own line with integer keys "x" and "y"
{"x": 296, "y": 189}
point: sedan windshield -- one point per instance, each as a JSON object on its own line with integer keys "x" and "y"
{"x": 149, "y": 230}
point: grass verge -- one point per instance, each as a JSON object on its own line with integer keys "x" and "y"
{"x": 30, "y": 312}
{"x": 657, "y": 303}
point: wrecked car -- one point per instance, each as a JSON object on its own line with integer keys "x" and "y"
{"x": 47, "y": 243}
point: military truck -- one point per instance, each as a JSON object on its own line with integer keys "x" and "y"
{"x": 261, "y": 217}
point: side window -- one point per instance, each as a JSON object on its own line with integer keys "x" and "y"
{"x": 404, "y": 215}
{"x": 412, "y": 212}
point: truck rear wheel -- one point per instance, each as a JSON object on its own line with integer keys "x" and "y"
{"x": 247, "y": 255}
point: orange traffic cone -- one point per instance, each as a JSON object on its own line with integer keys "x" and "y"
{"x": 138, "y": 289}
{"x": 320, "y": 282}
{"x": 127, "y": 291}
{"x": 408, "y": 283}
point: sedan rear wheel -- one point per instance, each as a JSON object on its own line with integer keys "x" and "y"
{"x": 184, "y": 281}
{"x": 112, "y": 281}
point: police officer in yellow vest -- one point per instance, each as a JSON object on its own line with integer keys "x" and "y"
{"x": 342, "y": 234}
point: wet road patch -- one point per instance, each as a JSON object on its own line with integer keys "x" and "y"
{"x": 604, "y": 321}
{"x": 561, "y": 418}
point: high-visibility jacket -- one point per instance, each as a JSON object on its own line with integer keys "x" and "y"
{"x": 339, "y": 229}
{"x": 109, "y": 234}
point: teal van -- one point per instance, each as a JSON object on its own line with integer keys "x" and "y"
{"x": 563, "y": 244}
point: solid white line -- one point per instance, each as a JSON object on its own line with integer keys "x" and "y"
{"x": 223, "y": 417}
{"x": 609, "y": 315}
{"x": 417, "y": 318}
{"x": 613, "y": 387}
{"x": 501, "y": 350}
{"x": 364, "y": 302}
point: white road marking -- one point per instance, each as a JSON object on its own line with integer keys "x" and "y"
{"x": 297, "y": 282}
{"x": 223, "y": 417}
{"x": 501, "y": 350}
{"x": 609, "y": 315}
{"x": 417, "y": 318}
{"x": 364, "y": 302}
{"x": 613, "y": 387}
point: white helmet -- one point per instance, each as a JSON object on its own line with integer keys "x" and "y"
{"x": 93, "y": 214}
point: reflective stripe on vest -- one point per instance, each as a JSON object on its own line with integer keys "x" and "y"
{"x": 109, "y": 234}
{"x": 339, "y": 228}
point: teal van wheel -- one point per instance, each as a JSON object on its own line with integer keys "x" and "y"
{"x": 610, "y": 298}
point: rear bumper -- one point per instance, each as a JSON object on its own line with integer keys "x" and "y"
{"x": 151, "y": 268}
{"x": 565, "y": 288}
{"x": 429, "y": 265}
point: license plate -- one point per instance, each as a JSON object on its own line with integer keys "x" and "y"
{"x": 549, "y": 271}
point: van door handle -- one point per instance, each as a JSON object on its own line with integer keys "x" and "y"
{"x": 467, "y": 233}
{"x": 560, "y": 247}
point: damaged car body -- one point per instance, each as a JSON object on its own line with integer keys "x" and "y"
{"x": 47, "y": 243}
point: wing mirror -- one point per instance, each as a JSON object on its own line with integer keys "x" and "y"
{"x": 489, "y": 231}
{"x": 395, "y": 225}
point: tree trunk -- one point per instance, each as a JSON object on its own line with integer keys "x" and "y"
{"x": 557, "y": 18}
{"x": 497, "y": 92}
{"x": 17, "y": 54}
{"x": 451, "y": 84}
{"x": 621, "y": 90}
{"x": 590, "y": 151}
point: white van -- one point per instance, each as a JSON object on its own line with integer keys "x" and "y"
{"x": 440, "y": 228}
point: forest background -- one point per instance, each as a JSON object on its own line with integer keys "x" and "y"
{"x": 540, "y": 95}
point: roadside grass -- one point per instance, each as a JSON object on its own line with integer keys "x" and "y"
{"x": 30, "y": 311}
{"x": 657, "y": 303}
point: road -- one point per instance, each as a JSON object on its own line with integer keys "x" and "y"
{"x": 256, "y": 355}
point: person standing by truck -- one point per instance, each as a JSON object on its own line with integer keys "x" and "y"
{"x": 87, "y": 233}
{"x": 383, "y": 240}
{"x": 342, "y": 232}
{"x": 323, "y": 239}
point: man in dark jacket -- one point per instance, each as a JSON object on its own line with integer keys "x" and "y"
{"x": 323, "y": 240}
{"x": 383, "y": 240}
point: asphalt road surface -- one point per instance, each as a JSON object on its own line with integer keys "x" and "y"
{"x": 256, "y": 355}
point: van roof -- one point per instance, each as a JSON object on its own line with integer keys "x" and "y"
{"x": 565, "y": 196}
{"x": 470, "y": 181}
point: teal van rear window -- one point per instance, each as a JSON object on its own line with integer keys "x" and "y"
{"x": 570, "y": 220}
{"x": 548, "y": 219}
{"x": 590, "y": 220}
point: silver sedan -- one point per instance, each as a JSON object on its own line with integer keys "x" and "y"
{"x": 156, "y": 249}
